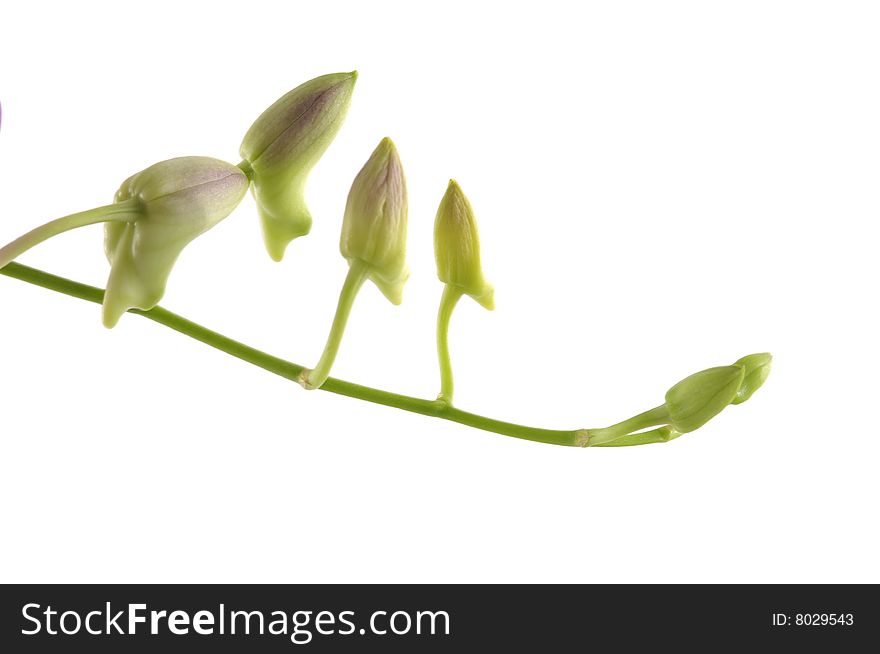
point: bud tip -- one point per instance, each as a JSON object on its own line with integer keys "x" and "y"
{"x": 386, "y": 145}
{"x": 756, "y": 369}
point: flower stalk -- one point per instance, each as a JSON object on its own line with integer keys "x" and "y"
{"x": 314, "y": 378}
{"x": 451, "y": 296}
{"x": 125, "y": 212}
{"x": 160, "y": 210}
{"x": 292, "y": 371}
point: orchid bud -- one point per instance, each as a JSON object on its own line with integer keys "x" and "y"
{"x": 457, "y": 247}
{"x": 756, "y": 370}
{"x": 695, "y": 400}
{"x": 176, "y": 201}
{"x": 374, "y": 224}
{"x": 281, "y": 148}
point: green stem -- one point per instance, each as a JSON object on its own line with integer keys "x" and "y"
{"x": 355, "y": 278}
{"x": 245, "y": 166}
{"x": 121, "y": 211}
{"x": 658, "y": 435}
{"x": 292, "y": 371}
{"x": 451, "y": 296}
{"x": 656, "y": 416}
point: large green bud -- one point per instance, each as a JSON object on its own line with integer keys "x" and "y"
{"x": 283, "y": 145}
{"x": 173, "y": 202}
{"x": 457, "y": 247}
{"x": 695, "y": 400}
{"x": 375, "y": 221}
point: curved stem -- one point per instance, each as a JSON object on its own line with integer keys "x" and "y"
{"x": 292, "y": 371}
{"x": 316, "y": 377}
{"x": 451, "y": 296}
{"x": 121, "y": 211}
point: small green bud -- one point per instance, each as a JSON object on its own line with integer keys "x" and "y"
{"x": 695, "y": 400}
{"x": 282, "y": 147}
{"x": 374, "y": 225}
{"x": 757, "y": 369}
{"x": 176, "y": 201}
{"x": 457, "y": 247}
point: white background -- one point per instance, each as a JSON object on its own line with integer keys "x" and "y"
{"x": 661, "y": 188}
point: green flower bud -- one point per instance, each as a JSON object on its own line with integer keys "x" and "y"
{"x": 175, "y": 200}
{"x": 457, "y": 247}
{"x": 695, "y": 400}
{"x": 756, "y": 370}
{"x": 374, "y": 225}
{"x": 283, "y": 145}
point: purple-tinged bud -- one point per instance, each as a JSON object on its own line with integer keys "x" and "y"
{"x": 375, "y": 221}
{"x": 176, "y": 200}
{"x": 283, "y": 145}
